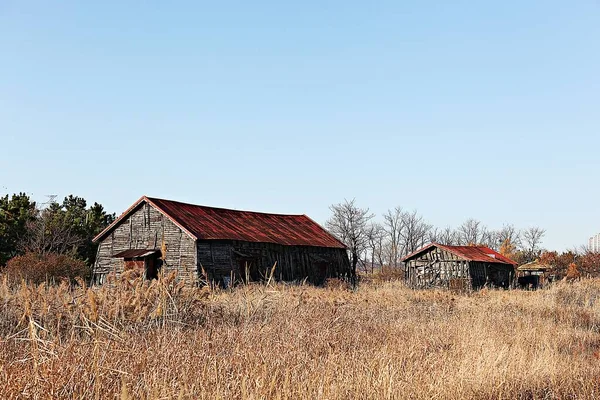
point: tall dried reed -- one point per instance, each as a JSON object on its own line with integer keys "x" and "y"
{"x": 159, "y": 339}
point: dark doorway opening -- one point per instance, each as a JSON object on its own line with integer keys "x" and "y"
{"x": 529, "y": 281}
{"x": 143, "y": 262}
{"x": 153, "y": 263}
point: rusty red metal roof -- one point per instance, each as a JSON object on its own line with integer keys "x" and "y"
{"x": 468, "y": 253}
{"x": 211, "y": 223}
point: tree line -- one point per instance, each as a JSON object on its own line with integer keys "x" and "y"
{"x": 383, "y": 242}
{"x": 54, "y": 239}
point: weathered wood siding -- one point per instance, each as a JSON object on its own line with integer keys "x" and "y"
{"x": 440, "y": 268}
{"x": 293, "y": 263}
{"x": 215, "y": 258}
{"x": 437, "y": 268}
{"x": 146, "y": 228}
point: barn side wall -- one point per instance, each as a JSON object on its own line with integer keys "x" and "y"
{"x": 215, "y": 259}
{"x": 254, "y": 261}
{"x": 498, "y": 275}
{"x": 146, "y": 228}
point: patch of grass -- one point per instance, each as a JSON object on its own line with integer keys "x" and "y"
{"x": 159, "y": 339}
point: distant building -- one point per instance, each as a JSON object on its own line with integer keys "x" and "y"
{"x": 533, "y": 275}
{"x": 458, "y": 267}
{"x": 595, "y": 243}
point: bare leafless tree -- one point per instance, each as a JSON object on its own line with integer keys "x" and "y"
{"x": 376, "y": 237}
{"x": 414, "y": 232}
{"x": 393, "y": 223}
{"x": 469, "y": 232}
{"x": 532, "y": 240}
{"x": 509, "y": 234}
{"x": 447, "y": 236}
{"x": 349, "y": 223}
{"x": 434, "y": 235}
{"x": 487, "y": 238}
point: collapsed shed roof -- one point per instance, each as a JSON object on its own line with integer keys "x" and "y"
{"x": 212, "y": 223}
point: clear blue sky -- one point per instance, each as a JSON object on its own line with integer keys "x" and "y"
{"x": 457, "y": 109}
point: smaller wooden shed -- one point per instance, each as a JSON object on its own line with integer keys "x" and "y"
{"x": 458, "y": 267}
{"x": 532, "y": 275}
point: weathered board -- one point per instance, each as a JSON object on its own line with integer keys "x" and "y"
{"x": 254, "y": 261}
{"x": 148, "y": 228}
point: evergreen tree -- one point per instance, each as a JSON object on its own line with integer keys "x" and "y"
{"x": 15, "y": 215}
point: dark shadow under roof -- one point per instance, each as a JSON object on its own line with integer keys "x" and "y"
{"x": 135, "y": 253}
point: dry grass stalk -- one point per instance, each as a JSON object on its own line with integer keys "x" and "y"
{"x": 159, "y": 339}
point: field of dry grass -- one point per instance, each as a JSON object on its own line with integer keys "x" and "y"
{"x": 378, "y": 342}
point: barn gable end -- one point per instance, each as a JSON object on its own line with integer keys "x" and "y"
{"x": 145, "y": 227}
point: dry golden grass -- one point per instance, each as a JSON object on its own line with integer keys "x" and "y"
{"x": 161, "y": 340}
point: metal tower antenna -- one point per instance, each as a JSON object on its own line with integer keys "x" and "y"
{"x": 51, "y": 199}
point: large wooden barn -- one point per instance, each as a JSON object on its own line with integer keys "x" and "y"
{"x": 458, "y": 267}
{"x": 217, "y": 244}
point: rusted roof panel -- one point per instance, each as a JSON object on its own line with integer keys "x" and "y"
{"x": 479, "y": 253}
{"x": 468, "y": 253}
{"x": 210, "y": 223}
